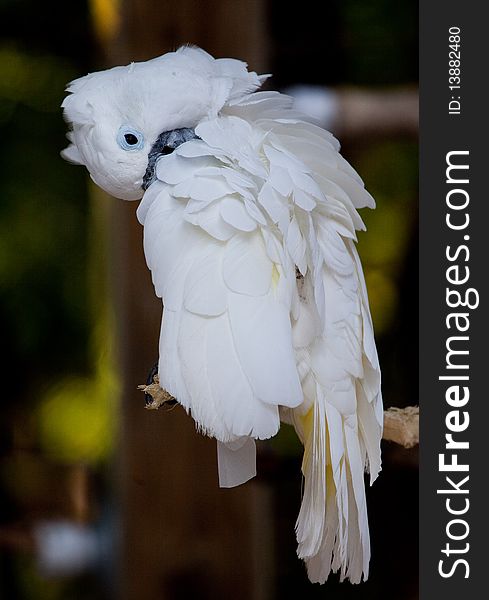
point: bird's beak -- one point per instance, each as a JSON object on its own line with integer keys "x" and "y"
{"x": 165, "y": 143}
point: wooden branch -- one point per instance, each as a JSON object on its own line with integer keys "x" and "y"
{"x": 401, "y": 425}
{"x": 155, "y": 395}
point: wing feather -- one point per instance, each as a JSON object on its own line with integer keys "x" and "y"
{"x": 262, "y": 335}
{"x": 246, "y": 267}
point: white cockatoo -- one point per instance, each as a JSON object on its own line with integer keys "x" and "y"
{"x": 249, "y": 215}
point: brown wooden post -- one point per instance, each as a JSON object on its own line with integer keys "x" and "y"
{"x": 181, "y": 536}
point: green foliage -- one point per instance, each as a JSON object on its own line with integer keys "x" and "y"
{"x": 390, "y": 173}
{"x": 379, "y": 41}
{"x": 43, "y": 216}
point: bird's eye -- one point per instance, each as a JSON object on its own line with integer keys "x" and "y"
{"x": 129, "y": 138}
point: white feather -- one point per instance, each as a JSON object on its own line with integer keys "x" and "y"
{"x": 246, "y": 267}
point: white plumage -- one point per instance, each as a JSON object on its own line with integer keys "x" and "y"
{"x": 249, "y": 232}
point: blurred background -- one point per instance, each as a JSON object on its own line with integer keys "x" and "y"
{"x": 100, "y": 499}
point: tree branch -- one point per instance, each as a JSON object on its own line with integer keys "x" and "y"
{"x": 401, "y": 425}
{"x": 155, "y": 395}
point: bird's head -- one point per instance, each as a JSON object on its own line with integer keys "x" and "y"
{"x": 124, "y": 118}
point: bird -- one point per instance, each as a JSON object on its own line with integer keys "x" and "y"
{"x": 249, "y": 215}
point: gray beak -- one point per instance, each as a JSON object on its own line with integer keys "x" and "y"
{"x": 165, "y": 143}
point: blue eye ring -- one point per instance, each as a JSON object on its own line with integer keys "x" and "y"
{"x": 129, "y": 138}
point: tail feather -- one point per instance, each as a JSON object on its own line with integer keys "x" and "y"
{"x": 311, "y": 521}
{"x": 332, "y": 526}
